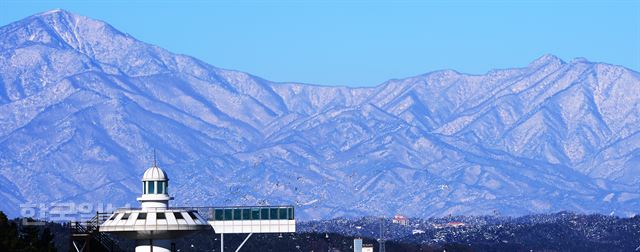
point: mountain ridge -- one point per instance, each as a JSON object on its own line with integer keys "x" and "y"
{"x": 432, "y": 144}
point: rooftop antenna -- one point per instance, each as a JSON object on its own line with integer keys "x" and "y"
{"x": 155, "y": 163}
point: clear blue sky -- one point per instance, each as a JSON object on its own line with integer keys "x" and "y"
{"x": 363, "y": 43}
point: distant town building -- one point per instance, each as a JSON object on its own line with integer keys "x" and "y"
{"x": 417, "y": 231}
{"x": 456, "y": 224}
{"x": 400, "y": 219}
{"x": 358, "y": 246}
{"x": 453, "y": 224}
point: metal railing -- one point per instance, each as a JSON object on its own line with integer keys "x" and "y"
{"x": 91, "y": 228}
{"x": 210, "y": 212}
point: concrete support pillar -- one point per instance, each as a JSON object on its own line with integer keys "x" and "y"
{"x": 153, "y": 246}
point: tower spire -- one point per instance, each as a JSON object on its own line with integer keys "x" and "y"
{"x": 155, "y": 163}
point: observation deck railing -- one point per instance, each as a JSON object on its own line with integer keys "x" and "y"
{"x": 212, "y": 213}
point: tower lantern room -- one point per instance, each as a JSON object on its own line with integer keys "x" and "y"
{"x": 155, "y": 184}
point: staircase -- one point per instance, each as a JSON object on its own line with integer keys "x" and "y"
{"x": 86, "y": 236}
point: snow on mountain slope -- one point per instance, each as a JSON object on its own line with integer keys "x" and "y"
{"x": 82, "y": 106}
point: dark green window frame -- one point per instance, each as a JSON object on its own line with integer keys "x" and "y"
{"x": 282, "y": 213}
{"x": 152, "y": 187}
{"x": 160, "y": 187}
{"x": 237, "y": 214}
{"x": 219, "y": 215}
{"x": 257, "y": 213}
{"x": 228, "y": 214}
{"x": 246, "y": 214}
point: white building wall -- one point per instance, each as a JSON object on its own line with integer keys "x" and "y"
{"x": 253, "y": 226}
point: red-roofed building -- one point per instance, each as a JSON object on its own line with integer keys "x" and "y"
{"x": 400, "y": 219}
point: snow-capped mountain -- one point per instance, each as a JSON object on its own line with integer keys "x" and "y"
{"x": 83, "y": 105}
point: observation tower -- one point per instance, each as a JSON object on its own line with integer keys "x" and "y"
{"x": 154, "y": 225}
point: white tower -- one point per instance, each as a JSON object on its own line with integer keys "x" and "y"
{"x": 154, "y": 225}
{"x": 154, "y": 189}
